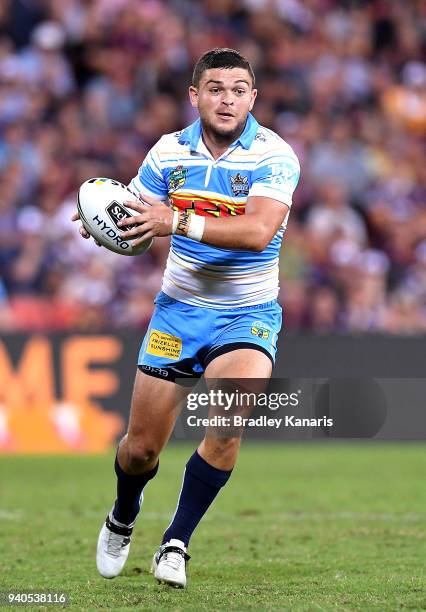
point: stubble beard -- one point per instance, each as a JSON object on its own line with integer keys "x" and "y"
{"x": 225, "y": 136}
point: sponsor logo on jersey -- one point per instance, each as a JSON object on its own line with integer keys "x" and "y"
{"x": 206, "y": 207}
{"x": 239, "y": 184}
{"x": 260, "y": 136}
{"x": 164, "y": 345}
{"x": 260, "y": 329}
{"x": 177, "y": 178}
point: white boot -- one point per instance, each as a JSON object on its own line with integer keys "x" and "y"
{"x": 169, "y": 563}
{"x": 113, "y": 547}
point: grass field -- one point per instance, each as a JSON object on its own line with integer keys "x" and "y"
{"x": 308, "y": 526}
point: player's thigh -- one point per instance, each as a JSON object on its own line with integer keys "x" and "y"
{"x": 240, "y": 363}
{"x": 154, "y": 409}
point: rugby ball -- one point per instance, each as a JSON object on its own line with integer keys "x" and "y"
{"x": 100, "y": 203}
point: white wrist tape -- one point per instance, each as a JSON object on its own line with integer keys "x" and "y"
{"x": 175, "y": 221}
{"x": 196, "y": 227}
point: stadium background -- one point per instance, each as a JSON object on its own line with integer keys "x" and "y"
{"x": 88, "y": 86}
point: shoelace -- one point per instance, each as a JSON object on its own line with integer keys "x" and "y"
{"x": 115, "y": 543}
{"x": 173, "y": 560}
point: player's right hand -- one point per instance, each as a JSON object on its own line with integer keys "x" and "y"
{"x": 83, "y": 231}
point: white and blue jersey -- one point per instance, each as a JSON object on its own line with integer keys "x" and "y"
{"x": 214, "y": 300}
{"x": 180, "y": 170}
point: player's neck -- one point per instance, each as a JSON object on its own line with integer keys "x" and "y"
{"x": 217, "y": 144}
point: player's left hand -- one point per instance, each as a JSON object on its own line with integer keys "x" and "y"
{"x": 153, "y": 220}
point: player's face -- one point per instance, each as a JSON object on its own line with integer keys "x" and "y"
{"x": 224, "y": 98}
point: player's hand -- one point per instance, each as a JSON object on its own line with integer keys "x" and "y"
{"x": 153, "y": 220}
{"x": 83, "y": 231}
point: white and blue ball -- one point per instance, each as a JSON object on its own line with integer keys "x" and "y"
{"x": 100, "y": 203}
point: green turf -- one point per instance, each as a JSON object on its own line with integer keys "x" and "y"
{"x": 308, "y": 526}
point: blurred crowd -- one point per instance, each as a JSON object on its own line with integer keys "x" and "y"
{"x": 88, "y": 86}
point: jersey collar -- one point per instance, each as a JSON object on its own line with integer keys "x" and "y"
{"x": 192, "y": 134}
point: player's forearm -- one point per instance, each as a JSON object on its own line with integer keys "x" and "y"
{"x": 252, "y": 231}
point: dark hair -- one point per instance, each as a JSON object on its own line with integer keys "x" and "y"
{"x": 220, "y": 58}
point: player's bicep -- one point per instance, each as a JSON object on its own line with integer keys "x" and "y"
{"x": 270, "y": 214}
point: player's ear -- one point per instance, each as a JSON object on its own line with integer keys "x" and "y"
{"x": 193, "y": 96}
{"x": 253, "y": 98}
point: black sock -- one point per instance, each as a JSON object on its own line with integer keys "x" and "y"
{"x": 201, "y": 483}
{"x": 129, "y": 493}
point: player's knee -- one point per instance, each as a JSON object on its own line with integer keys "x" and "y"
{"x": 142, "y": 454}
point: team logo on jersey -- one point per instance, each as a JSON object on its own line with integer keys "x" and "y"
{"x": 164, "y": 345}
{"x": 260, "y": 329}
{"x": 260, "y": 136}
{"x": 177, "y": 178}
{"x": 239, "y": 184}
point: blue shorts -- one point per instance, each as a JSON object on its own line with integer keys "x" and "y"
{"x": 183, "y": 339}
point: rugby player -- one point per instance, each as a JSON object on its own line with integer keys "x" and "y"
{"x": 222, "y": 187}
